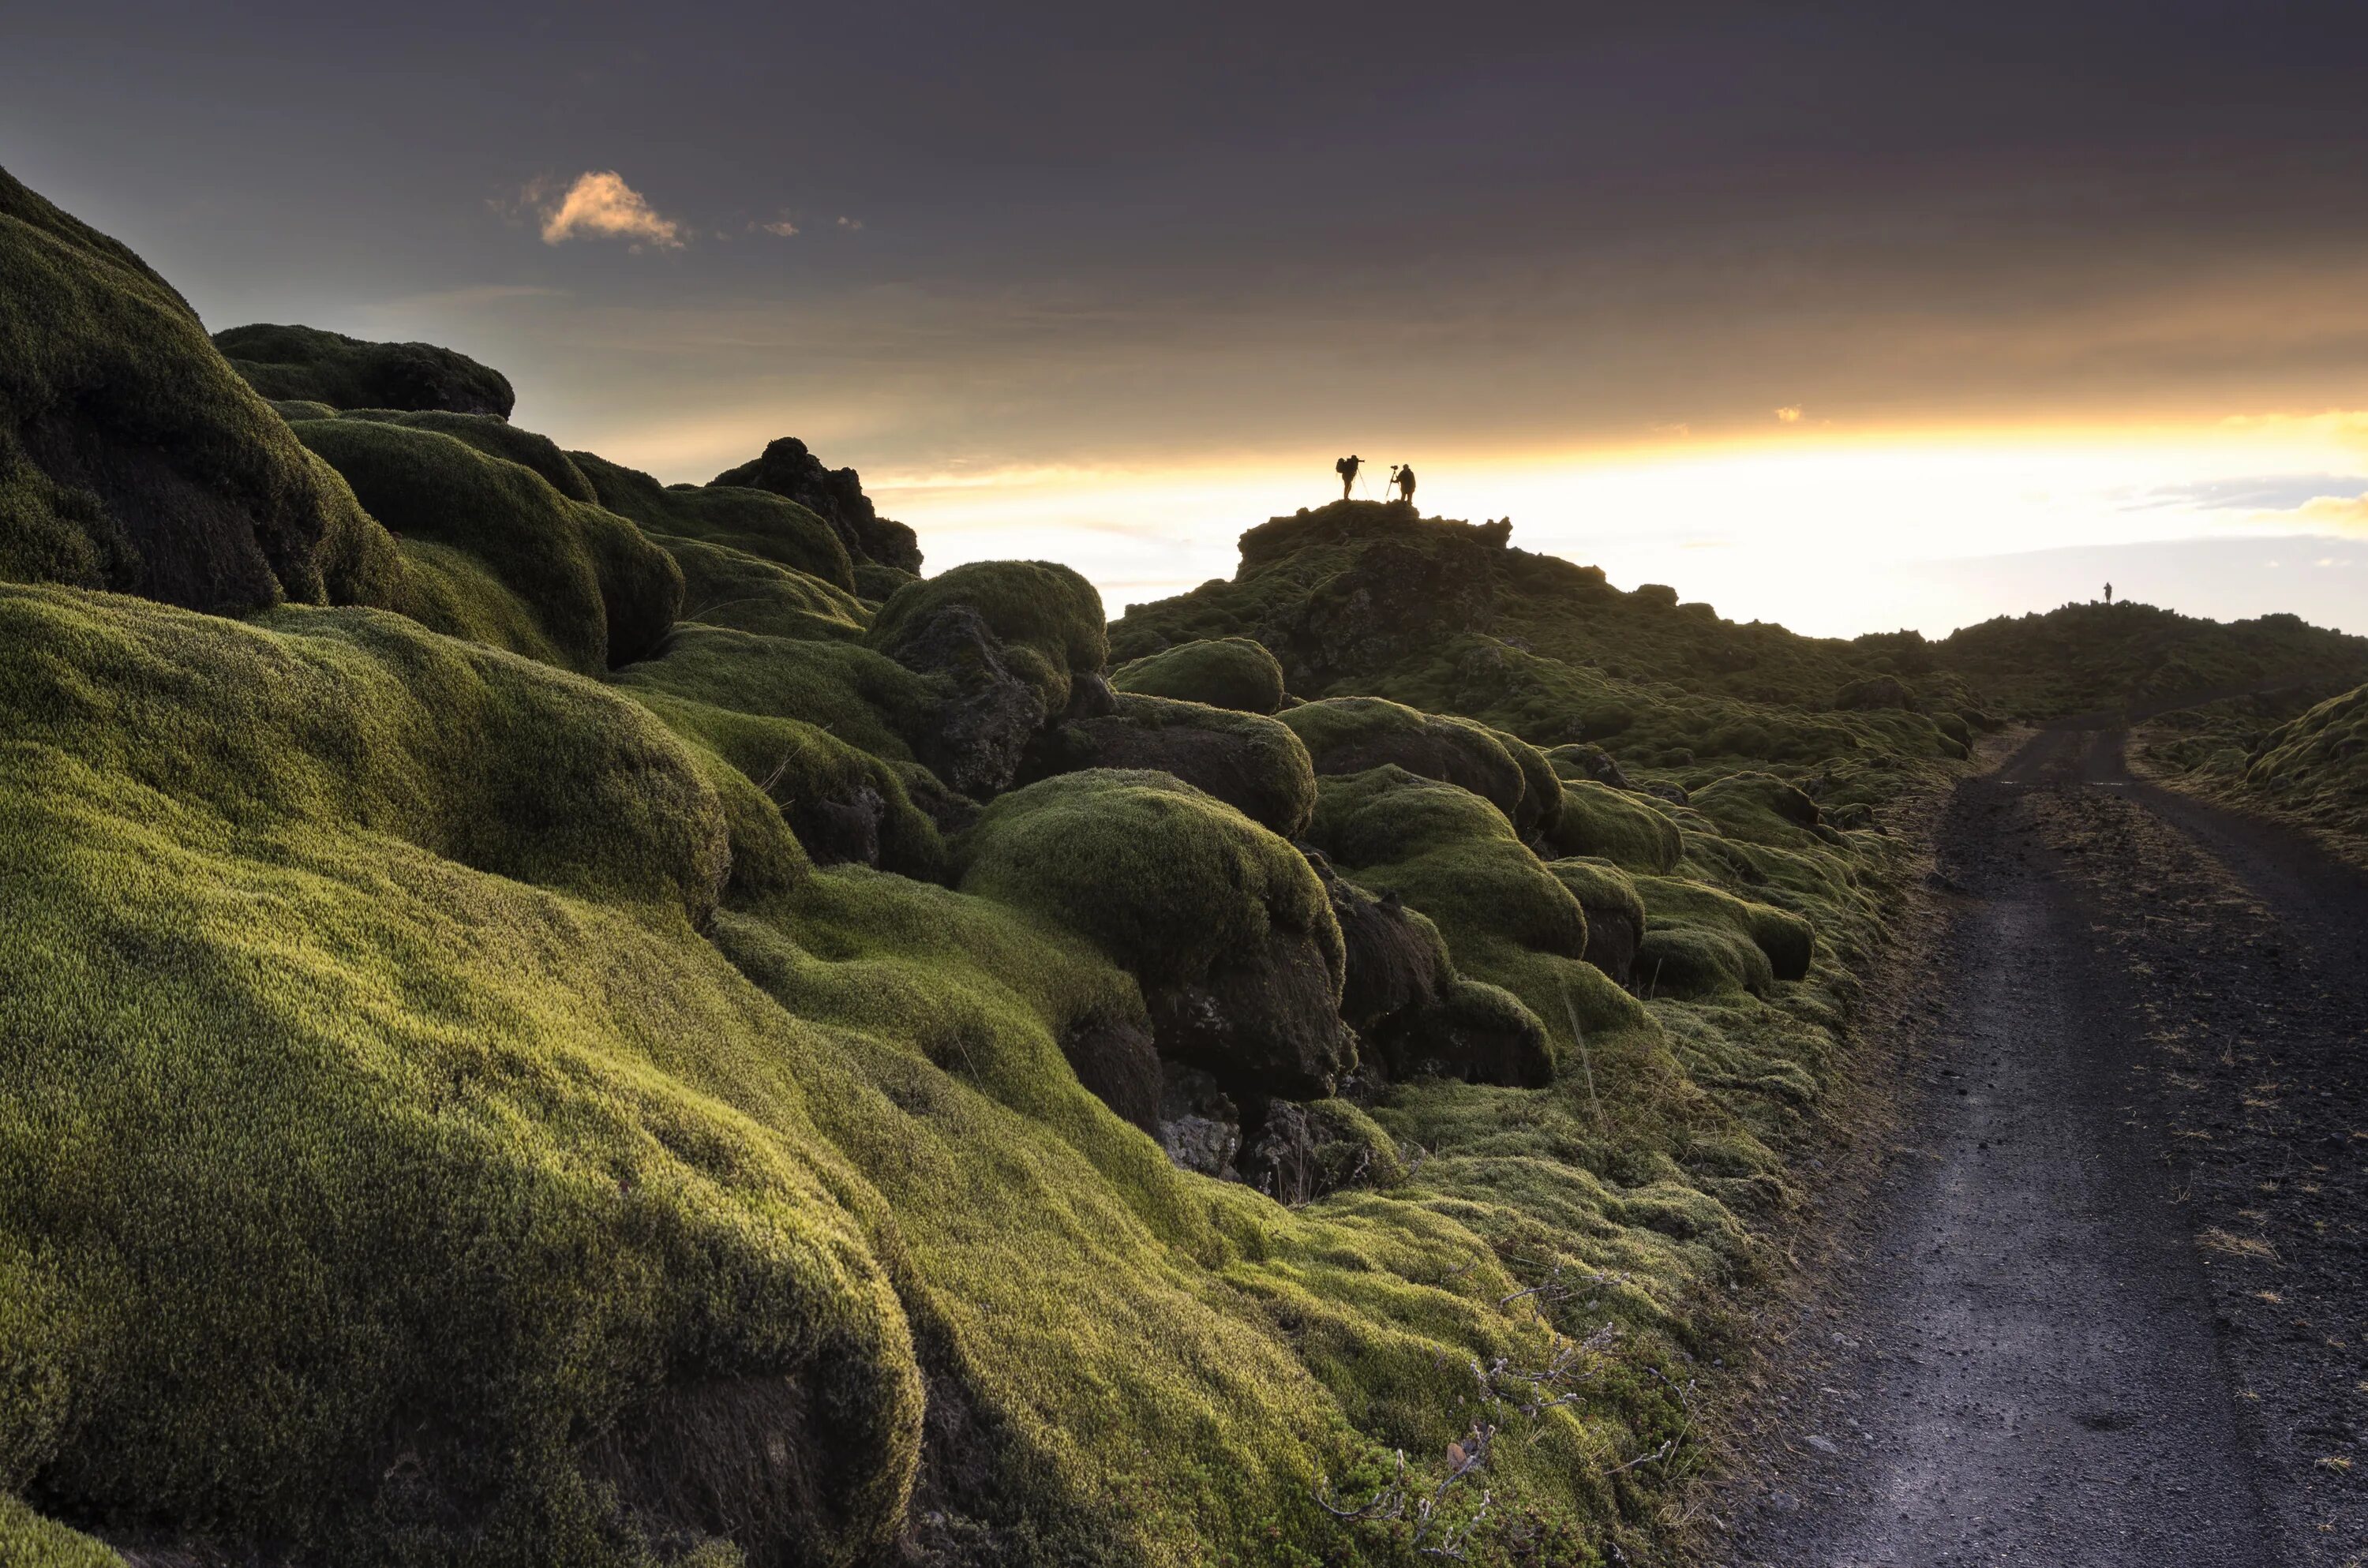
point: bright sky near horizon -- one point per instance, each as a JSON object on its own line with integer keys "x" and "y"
{"x": 1848, "y": 316}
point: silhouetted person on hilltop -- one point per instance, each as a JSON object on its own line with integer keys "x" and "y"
{"x": 1347, "y": 468}
{"x": 1403, "y": 476}
{"x": 2109, "y": 593}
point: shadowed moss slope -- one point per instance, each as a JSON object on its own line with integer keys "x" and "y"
{"x": 133, "y": 457}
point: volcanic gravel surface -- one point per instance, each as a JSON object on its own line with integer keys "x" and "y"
{"x": 2103, "y": 1299}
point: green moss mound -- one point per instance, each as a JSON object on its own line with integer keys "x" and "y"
{"x": 842, "y": 802}
{"x": 1615, "y": 911}
{"x": 1787, "y": 939}
{"x": 1701, "y": 964}
{"x": 1615, "y": 826}
{"x": 431, "y": 1186}
{"x": 519, "y": 566}
{"x": 753, "y": 522}
{"x": 1759, "y": 808}
{"x": 1506, "y": 918}
{"x": 481, "y": 758}
{"x": 1048, "y": 619}
{"x": 494, "y": 436}
{"x": 1161, "y": 877}
{"x": 29, "y": 1540}
{"x": 1224, "y": 672}
{"x": 304, "y": 362}
{"x": 1225, "y": 925}
{"x": 133, "y": 457}
{"x": 862, "y": 698}
{"x": 1351, "y": 734}
{"x": 875, "y": 583}
{"x": 727, "y": 587}
{"x": 1253, "y": 764}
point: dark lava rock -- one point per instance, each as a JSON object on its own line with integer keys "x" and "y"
{"x": 1116, "y": 1060}
{"x": 1397, "y": 960}
{"x": 1263, "y": 1021}
{"x": 1302, "y": 1151}
{"x": 1199, "y": 1124}
{"x": 982, "y": 726}
{"x": 835, "y": 494}
{"x": 307, "y": 364}
{"x": 1479, "y": 1033}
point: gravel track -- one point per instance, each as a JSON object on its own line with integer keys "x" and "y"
{"x": 2104, "y": 1298}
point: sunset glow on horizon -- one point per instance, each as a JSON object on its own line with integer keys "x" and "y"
{"x": 1831, "y": 533}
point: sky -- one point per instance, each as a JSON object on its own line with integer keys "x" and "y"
{"x": 1853, "y": 316}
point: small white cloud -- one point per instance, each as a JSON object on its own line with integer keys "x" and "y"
{"x": 850, "y": 223}
{"x": 781, "y": 226}
{"x": 1789, "y": 414}
{"x": 600, "y": 205}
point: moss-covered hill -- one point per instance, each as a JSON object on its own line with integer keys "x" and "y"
{"x": 1369, "y": 598}
{"x": 549, "y": 1019}
{"x": 2086, "y": 658}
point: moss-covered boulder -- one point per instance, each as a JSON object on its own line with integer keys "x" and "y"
{"x": 1504, "y": 916}
{"x": 1224, "y": 924}
{"x": 499, "y": 556}
{"x": 1789, "y": 941}
{"x": 1612, "y": 825}
{"x": 1759, "y": 808}
{"x": 1014, "y": 644}
{"x": 864, "y": 699}
{"x": 1701, "y": 964}
{"x": 729, "y": 587}
{"x": 1046, "y": 619}
{"x": 1253, "y": 764}
{"x": 1616, "y": 912}
{"x": 751, "y": 521}
{"x": 1471, "y": 1031}
{"x": 131, "y": 455}
{"x": 1351, "y": 734}
{"x": 844, "y": 805}
{"x": 1396, "y": 961}
{"x": 1224, "y": 672}
{"x": 304, "y": 362}
{"x": 334, "y": 958}
{"x": 785, "y": 468}
{"x": 876, "y": 583}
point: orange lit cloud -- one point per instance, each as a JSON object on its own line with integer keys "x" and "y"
{"x": 2335, "y": 512}
{"x": 600, "y": 205}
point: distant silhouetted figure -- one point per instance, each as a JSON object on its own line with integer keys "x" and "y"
{"x": 1347, "y": 468}
{"x": 2109, "y": 593}
{"x": 1403, "y": 476}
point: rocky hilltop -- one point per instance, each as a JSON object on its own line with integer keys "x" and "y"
{"x": 549, "y": 1017}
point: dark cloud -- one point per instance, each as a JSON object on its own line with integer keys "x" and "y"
{"x": 1091, "y": 227}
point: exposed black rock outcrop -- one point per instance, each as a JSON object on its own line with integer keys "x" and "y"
{"x": 835, "y": 494}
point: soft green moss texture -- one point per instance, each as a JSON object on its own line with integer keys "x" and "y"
{"x": 517, "y": 1046}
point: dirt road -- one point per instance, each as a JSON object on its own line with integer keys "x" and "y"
{"x": 2104, "y": 1300}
